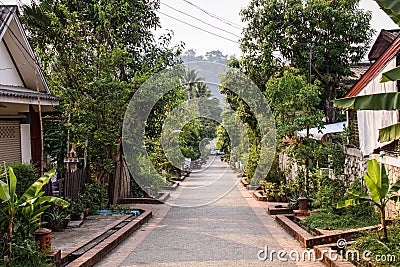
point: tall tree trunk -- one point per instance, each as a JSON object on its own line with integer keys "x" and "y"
{"x": 329, "y": 108}
{"x": 40, "y": 121}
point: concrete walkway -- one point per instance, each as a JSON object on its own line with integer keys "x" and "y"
{"x": 229, "y": 231}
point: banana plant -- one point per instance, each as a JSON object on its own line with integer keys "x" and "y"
{"x": 28, "y": 206}
{"x": 392, "y": 8}
{"x": 379, "y": 193}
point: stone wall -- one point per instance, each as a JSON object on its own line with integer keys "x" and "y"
{"x": 355, "y": 164}
{"x": 392, "y": 165}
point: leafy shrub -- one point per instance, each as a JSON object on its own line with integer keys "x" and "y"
{"x": 370, "y": 241}
{"x": 330, "y": 193}
{"x": 75, "y": 207}
{"x": 136, "y": 190}
{"x": 356, "y": 217}
{"x": 94, "y": 196}
{"x": 27, "y": 174}
{"x": 27, "y": 253}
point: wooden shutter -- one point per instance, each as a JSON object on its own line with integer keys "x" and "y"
{"x": 10, "y": 142}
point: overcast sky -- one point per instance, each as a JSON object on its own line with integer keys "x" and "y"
{"x": 228, "y": 10}
{"x": 224, "y": 10}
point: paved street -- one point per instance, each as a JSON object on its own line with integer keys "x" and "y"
{"x": 227, "y": 232}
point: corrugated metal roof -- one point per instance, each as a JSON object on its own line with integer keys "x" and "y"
{"x": 32, "y": 95}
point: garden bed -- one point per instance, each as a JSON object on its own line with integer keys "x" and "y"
{"x": 244, "y": 182}
{"x": 308, "y": 240}
{"x": 179, "y": 179}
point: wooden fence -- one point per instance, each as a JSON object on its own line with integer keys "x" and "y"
{"x": 119, "y": 186}
{"x": 73, "y": 182}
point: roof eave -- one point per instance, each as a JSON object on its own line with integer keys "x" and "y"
{"x": 375, "y": 68}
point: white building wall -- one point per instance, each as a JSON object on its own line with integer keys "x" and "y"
{"x": 370, "y": 121}
{"x": 26, "y": 154}
{"x": 9, "y": 75}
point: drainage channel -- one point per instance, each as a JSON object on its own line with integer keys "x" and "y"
{"x": 82, "y": 250}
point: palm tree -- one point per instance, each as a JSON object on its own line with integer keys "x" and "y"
{"x": 202, "y": 90}
{"x": 190, "y": 81}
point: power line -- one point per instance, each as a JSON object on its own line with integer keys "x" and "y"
{"x": 230, "y": 23}
{"x": 209, "y": 24}
{"x": 191, "y": 25}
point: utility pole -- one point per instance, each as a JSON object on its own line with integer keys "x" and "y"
{"x": 308, "y": 128}
{"x": 309, "y": 63}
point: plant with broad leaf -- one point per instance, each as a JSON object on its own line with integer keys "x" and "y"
{"x": 379, "y": 194}
{"x": 28, "y": 206}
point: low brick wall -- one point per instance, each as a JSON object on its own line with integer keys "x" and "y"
{"x": 259, "y": 196}
{"x": 331, "y": 259}
{"x": 307, "y": 240}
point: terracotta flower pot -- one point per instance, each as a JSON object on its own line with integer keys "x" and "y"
{"x": 56, "y": 227}
{"x": 43, "y": 235}
{"x": 303, "y": 205}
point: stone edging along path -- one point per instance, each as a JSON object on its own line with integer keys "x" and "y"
{"x": 93, "y": 255}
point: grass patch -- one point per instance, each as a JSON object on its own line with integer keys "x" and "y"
{"x": 350, "y": 219}
{"x": 382, "y": 253}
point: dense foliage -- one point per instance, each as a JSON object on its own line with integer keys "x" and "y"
{"x": 328, "y": 216}
{"x": 26, "y": 173}
{"x": 21, "y": 215}
{"x": 321, "y": 38}
{"x": 382, "y": 254}
{"x": 98, "y": 54}
{"x": 364, "y": 216}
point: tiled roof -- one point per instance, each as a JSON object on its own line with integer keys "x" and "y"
{"x": 32, "y": 95}
{"x": 379, "y": 64}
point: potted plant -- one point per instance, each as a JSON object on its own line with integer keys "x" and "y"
{"x": 282, "y": 196}
{"x": 76, "y": 210}
{"x": 266, "y": 186}
{"x": 270, "y": 197}
{"x": 303, "y": 203}
{"x": 55, "y": 219}
{"x": 277, "y": 196}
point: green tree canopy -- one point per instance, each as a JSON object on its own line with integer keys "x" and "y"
{"x": 96, "y": 55}
{"x": 319, "y": 37}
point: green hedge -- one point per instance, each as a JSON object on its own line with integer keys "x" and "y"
{"x": 26, "y": 174}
